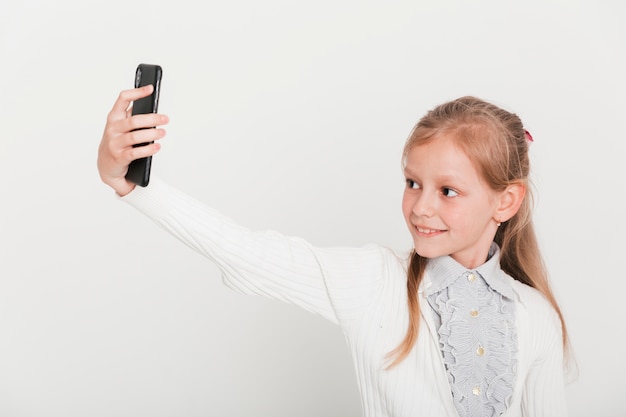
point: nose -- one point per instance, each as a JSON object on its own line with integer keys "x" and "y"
{"x": 424, "y": 205}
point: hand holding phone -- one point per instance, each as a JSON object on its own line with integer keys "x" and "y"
{"x": 139, "y": 169}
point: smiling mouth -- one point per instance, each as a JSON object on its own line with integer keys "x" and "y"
{"x": 427, "y": 232}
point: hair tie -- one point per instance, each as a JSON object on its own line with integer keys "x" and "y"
{"x": 529, "y": 137}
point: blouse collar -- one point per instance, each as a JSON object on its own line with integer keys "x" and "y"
{"x": 443, "y": 271}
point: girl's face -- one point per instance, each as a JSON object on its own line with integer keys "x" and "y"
{"x": 447, "y": 206}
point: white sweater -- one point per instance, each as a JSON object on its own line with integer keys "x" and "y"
{"x": 363, "y": 290}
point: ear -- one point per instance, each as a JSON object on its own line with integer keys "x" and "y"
{"x": 509, "y": 202}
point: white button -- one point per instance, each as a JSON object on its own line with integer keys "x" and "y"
{"x": 476, "y": 390}
{"x": 471, "y": 277}
{"x": 474, "y": 313}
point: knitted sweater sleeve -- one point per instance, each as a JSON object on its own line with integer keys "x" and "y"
{"x": 261, "y": 262}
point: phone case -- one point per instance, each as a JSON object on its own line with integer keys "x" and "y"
{"x": 139, "y": 169}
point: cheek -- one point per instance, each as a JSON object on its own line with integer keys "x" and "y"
{"x": 454, "y": 218}
{"x": 407, "y": 206}
{"x": 464, "y": 222}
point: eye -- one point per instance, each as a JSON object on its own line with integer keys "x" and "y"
{"x": 412, "y": 184}
{"x": 449, "y": 192}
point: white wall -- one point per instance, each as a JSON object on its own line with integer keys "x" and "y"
{"x": 290, "y": 116}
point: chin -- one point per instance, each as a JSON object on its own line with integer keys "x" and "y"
{"x": 428, "y": 252}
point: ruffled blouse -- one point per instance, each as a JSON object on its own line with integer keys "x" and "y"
{"x": 474, "y": 311}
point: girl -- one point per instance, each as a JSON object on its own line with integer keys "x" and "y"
{"x": 467, "y": 326}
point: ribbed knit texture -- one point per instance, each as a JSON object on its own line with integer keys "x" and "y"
{"x": 363, "y": 290}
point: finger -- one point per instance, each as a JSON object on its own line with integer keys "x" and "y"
{"x": 143, "y": 151}
{"x": 125, "y": 99}
{"x": 142, "y": 121}
{"x": 143, "y": 135}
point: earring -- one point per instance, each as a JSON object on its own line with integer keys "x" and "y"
{"x": 499, "y": 223}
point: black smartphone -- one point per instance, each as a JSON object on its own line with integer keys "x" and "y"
{"x": 139, "y": 169}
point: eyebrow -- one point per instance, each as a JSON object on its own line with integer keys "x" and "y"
{"x": 440, "y": 178}
{"x": 407, "y": 172}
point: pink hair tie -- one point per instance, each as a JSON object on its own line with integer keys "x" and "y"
{"x": 529, "y": 137}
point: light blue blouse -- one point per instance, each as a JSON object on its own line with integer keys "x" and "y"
{"x": 474, "y": 312}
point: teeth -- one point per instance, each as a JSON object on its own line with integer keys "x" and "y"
{"x": 427, "y": 231}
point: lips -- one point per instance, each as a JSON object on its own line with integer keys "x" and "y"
{"x": 424, "y": 231}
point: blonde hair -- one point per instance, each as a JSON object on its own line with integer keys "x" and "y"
{"x": 497, "y": 143}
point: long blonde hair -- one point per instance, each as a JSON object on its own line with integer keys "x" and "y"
{"x": 497, "y": 143}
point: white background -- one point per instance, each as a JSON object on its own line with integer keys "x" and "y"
{"x": 286, "y": 115}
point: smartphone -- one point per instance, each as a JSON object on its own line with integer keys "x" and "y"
{"x": 139, "y": 169}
